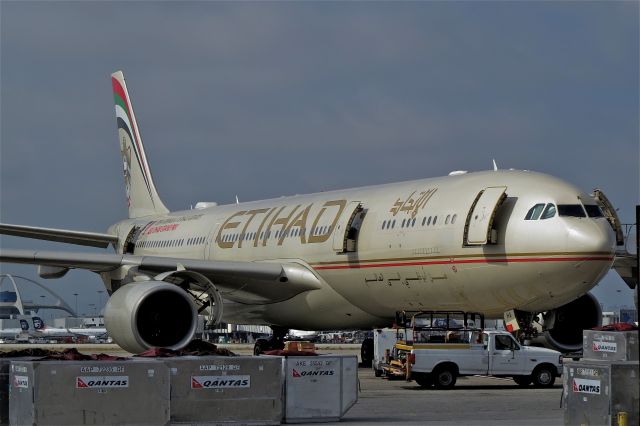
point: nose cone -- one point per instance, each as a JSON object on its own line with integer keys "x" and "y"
{"x": 593, "y": 236}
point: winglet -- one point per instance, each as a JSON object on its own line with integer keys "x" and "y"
{"x": 142, "y": 197}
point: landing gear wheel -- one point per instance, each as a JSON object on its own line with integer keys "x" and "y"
{"x": 377, "y": 372}
{"x": 522, "y": 380}
{"x": 366, "y": 352}
{"x": 444, "y": 377}
{"x": 543, "y": 377}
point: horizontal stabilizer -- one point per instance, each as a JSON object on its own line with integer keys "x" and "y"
{"x": 92, "y": 239}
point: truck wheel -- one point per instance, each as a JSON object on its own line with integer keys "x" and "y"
{"x": 423, "y": 380}
{"x": 522, "y": 380}
{"x": 543, "y": 377}
{"x": 444, "y": 377}
{"x": 366, "y": 352}
{"x": 260, "y": 346}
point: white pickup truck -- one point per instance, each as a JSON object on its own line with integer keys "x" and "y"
{"x": 486, "y": 352}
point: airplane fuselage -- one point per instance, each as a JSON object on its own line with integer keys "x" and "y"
{"x": 401, "y": 246}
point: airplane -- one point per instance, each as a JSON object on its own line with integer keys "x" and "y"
{"x": 32, "y": 326}
{"x": 490, "y": 242}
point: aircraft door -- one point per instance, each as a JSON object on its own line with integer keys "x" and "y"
{"x": 345, "y": 236}
{"x": 610, "y": 213}
{"x": 479, "y": 224}
{"x": 130, "y": 242}
{"x": 209, "y": 250}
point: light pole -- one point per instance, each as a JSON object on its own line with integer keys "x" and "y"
{"x": 42, "y": 296}
{"x": 76, "y": 295}
{"x": 100, "y": 299}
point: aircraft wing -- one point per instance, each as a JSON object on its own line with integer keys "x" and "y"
{"x": 244, "y": 282}
{"x": 92, "y": 239}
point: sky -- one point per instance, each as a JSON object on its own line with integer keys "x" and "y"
{"x": 262, "y": 99}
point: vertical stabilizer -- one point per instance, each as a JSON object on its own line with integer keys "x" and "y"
{"x": 142, "y": 196}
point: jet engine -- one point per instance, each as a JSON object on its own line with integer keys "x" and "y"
{"x": 563, "y": 326}
{"x": 162, "y": 312}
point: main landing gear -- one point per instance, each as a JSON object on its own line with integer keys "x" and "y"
{"x": 276, "y": 341}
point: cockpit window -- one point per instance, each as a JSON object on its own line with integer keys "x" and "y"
{"x": 593, "y": 210}
{"x": 534, "y": 212}
{"x": 572, "y": 210}
{"x": 549, "y": 212}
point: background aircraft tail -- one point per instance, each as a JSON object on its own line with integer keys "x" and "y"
{"x": 142, "y": 197}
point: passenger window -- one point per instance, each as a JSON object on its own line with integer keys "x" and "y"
{"x": 424, "y": 219}
{"x": 393, "y": 224}
{"x": 413, "y": 222}
{"x": 453, "y": 219}
{"x": 429, "y": 221}
{"x": 446, "y": 221}
{"x": 434, "y": 219}
{"x": 534, "y": 212}
{"x": 549, "y": 211}
{"x": 384, "y": 223}
{"x": 402, "y": 226}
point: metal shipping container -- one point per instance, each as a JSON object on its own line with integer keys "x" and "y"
{"x": 595, "y": 392}
{"x": 5, "y": 363}
{"x": 4, "y": 391}
{"x": 319, "y": 388}
{"x": 610, "y": 345}
{"x": 89, "y": 392}
{"x": 217, "y": 389}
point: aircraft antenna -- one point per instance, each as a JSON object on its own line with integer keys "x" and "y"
{"x": 495, "y": 166}
{"x": 237, "y": 201}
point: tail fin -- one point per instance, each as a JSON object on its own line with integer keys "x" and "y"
{"x": 142, "y": 196}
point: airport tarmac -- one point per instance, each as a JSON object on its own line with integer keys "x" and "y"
{"x": 473, "y": 401}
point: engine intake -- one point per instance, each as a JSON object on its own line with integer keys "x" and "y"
{"x": 139, "y": 316}
{"x": 564, "y": 325}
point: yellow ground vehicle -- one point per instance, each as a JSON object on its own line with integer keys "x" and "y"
{"x": 430, "y": 330}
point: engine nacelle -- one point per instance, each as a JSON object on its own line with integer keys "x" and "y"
{"x": 563, "y": 326}
{"x": 147, "y": 314}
